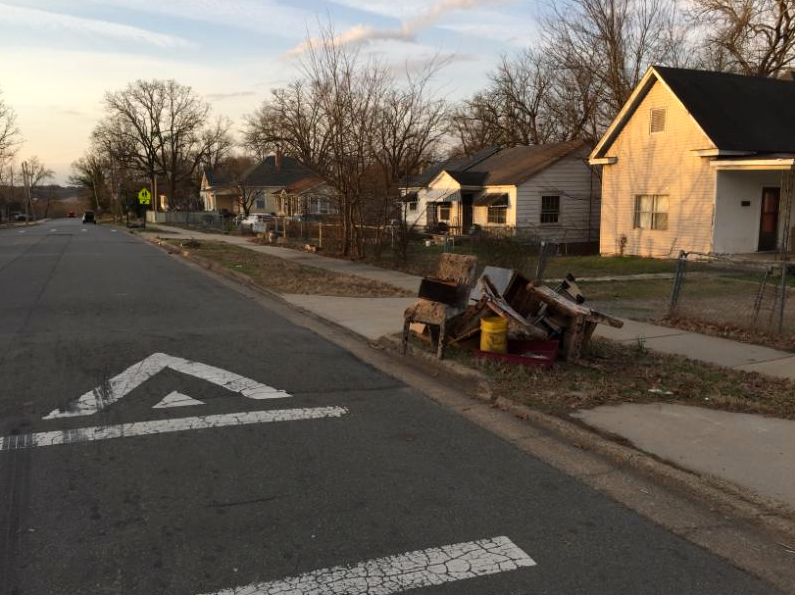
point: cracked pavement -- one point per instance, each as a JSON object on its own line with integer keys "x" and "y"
{"x": 360, "y": 502}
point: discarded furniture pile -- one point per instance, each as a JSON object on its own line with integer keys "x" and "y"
{"x": 502, "y": 315}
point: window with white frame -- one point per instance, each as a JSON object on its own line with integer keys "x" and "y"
{"x": 260, "y": 203}
{"x": 550, "y": 209}
{"x": 657, "y": 120}
{"x": 413, "y": 205}
{"x": 651, "y": 211}
{"x": 444, "y": 211}
{"x": 497, "y": 214}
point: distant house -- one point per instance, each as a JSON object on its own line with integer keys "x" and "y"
{"x": 279, "y": 184}
{"x": 545, "y": 191}
{"x": 695, "y": 161}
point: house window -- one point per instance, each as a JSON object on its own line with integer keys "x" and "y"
{"x": 497, "y": 215}
{"x": 260, "y": 203}
{"x": 651, "y": 211}
{"x": 413, "y": 206}
{"x": 444, "y": 211}
{"x": 657, "y": 123}
{"x": 550, "y": 209}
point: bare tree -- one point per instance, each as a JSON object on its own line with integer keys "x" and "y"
{"x": 9, "y": 132}
{"x": 616, "y": 40}
{"x": 752, "y": 37}
{"x": 162, "y": 127}
{"x": 90, "y": 172}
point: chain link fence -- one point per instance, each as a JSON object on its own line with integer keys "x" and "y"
{"x": 747, "y": 294}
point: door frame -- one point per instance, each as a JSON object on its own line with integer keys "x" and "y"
{"x": 759, "y": 246}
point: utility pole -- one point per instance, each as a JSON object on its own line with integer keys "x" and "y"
{"x": 26, "y": 184}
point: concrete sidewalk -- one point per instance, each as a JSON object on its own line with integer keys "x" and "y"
{"x": 374, "y": 317}
{"x": 752, "y": 451}
{"x": 338, "y": 265}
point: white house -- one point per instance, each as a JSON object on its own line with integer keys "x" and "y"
{"x": 698, "y": 161}
{"x": 545, "y": 191}
{"x": 279, "y": 184}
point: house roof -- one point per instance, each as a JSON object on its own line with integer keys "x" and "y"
{"x": 510, "y": 167}
{"x": 736, "y": 112}
{"x": 468, "y": 178}
{"x": 451, "y": 164}
{"x": 215, "y": 178}
{"x": 265, "y": 173}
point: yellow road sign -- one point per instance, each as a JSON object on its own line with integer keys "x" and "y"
{"x": 144, "y": 196}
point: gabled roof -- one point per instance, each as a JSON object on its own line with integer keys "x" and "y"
{"x": 452, "y": 164}
{"x": 514, "y": 166}
{"x": 468, "y": 178}
{"x": 736, "y": 112}
{"x": 265, "y": 173}
{"x": 215, "y": 179}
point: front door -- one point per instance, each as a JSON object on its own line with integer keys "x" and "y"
{"x": 768, "y": 225}
{"x": 466, "y": 215}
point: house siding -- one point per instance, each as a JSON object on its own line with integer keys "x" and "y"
{"x": 659, "y": 163}
{"x": 576, "y": 183}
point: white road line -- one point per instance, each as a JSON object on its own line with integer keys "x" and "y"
{"x": 163, "y": 426}
{"x": 137, "y": 374}
{"x": 177, "y": 399}
{"x": 395, "y": 574}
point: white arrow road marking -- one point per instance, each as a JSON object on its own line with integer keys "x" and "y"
{"x": 163, "y": 426}
{"x": 395, "y": 574}
{"x": 177, "y": 399}
{"x": 137, "y": 374}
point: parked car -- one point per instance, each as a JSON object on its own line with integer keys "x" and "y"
{"x": 71, "y": 214}
{"x": 88, "y": 217}
{"x": 22, "y": 217}
{"x": 256, "y": 220}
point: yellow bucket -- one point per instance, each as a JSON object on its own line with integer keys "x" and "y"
{"x": 494, "y": 334}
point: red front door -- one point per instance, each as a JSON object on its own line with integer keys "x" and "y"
{"x": 768, "y": 224}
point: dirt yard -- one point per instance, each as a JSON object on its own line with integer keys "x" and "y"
{"x": 612, "y": 373}
{"x": 284, "y": 276}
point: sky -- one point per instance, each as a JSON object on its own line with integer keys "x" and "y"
{"x": 59, "y": 57}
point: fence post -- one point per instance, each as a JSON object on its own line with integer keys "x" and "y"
{"x": 681, "y": 265}
{"x": 783, "y": 297}
{"x": 320, "y": 234}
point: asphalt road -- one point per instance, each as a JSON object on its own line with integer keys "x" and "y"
{"x": 360, "y": 468}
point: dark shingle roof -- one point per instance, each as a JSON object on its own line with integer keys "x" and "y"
{"x": 265, "y": 173}
{"x": 451, "y": 164}
{"x": 739, "y": 113}
{"x": 468, "y": 178}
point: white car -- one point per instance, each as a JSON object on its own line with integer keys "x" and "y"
{"x": 257, "y": 221}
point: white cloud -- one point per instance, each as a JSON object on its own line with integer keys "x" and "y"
{"x": 407, "y": 31}
{"x": 43, "y": 19}
{"x": 507, "y": 28}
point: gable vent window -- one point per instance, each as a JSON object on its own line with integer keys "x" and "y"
{"x": 657, "y": 120}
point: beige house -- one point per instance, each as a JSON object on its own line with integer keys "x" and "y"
{"x": 696, "y": 161}
{"x": 544, "y": 191}
{"x": 278, "y": 184}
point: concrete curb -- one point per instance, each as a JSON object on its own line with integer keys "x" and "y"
{"x": 718, "y": 493}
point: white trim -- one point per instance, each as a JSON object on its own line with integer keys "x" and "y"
{"x": 630, "y": 107}
{"x": 720, "y": 153}
{"x": 753, "y": 164}
{"x": 603, "y": 160}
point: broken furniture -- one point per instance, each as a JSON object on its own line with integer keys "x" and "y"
{"x": 442, "y": 298}
{"x": 530, "y": 353}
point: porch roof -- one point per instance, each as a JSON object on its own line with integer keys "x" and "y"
{"x": 756, "y": 162}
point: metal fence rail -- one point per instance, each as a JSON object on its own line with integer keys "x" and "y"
{"x": 742, "y": 293}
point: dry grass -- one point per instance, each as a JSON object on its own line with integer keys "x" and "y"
{"x": 613, "y": 373}
{"x": 284, "y": 276}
